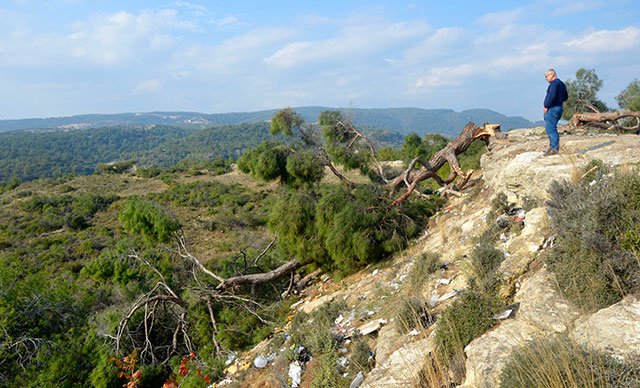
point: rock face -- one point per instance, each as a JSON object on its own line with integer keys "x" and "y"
{"x": 402, "y": 367}
{"x": 614, "y": 328}
{"x": 519, "y": 169}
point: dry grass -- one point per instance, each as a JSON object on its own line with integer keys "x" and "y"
{"x": 559, "y": 363}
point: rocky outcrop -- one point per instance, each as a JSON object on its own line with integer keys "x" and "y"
{"x": 615, "y": 328}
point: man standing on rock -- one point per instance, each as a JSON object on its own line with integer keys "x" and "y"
{"x": 556, "y": 95}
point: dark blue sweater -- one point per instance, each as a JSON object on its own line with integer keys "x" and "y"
{"x": 556, "y": 94}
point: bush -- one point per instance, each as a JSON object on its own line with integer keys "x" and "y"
{"x": 148, "y": 219}
{"x": 558, "y": 362}
{"x": 413, "y": 313}
{"x": 595, "y": 222}
{"x": 465, "y": 319}
{"x": 357, "y": 228}
{"x": 424, "y": 265}
{"x": 313, "y": 331}
{"x": 485, "y": 260}
{"x": 361, "y": 356}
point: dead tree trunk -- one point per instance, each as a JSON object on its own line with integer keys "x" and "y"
{"x": 260, "y": 278}
{"x": 606, "y": 119}
{"x": 412, "y": 176}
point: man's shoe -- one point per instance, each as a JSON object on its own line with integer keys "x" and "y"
{"x": 550, "y": 152}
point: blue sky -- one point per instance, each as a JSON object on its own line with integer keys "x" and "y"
{"x": 66, "y": 57}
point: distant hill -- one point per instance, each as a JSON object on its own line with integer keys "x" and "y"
{"x": 402, "y": 120}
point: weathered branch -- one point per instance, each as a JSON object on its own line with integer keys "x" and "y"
{"x": 260, "y": 278}
{"x": 579, "y": 119}
{"x": 489, "y": 133}
{"x": 359, "y": 135}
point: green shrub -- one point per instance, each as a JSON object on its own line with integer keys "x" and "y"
{"x": 484, "y": 261}
{"x": 313, "y": 330}
{"x": 361, "y": 356}
{"x": 558, "y": 362}
{"x": 595, "y": 222}
{"x": 326, "y": 372}
{"x": 413, "y": 313}
{"x": 357, "y": 228}
{"x": 148, "y": 219}
{"x": 424, "y": 265}
{"x": 465, "y": 319}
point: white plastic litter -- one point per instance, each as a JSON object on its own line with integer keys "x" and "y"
{"x": 295, "y": 373}
{"x": 260, "y": 362}
{"x": 357, "y": 381}
{"x": 503, "y": 315}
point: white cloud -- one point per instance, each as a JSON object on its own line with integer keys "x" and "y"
{"x": 351, "y": 43}
{"x": 442, "y": 42}
{"x": 150, "y": 85}
{"x": 235, "y": 54}
{"x": 534, "y": 55}
{"x": 607, "y": 40}
{"x": 566, "y": 8}
{"x": 446, "y": 76}
{"x": 498, "y": 19}
{"x": 227, "y": 21}
{"x": 118, "y": 37}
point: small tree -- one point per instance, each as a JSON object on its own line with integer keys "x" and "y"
{"x": 583, "y": 94}
{"x": 630, "y": 97}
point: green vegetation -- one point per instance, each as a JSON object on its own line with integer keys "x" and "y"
{"x": 583, "y": 94}
{"x": 595, "y": 221}
{"x": 32, "y": 155}
{"x": 629, "y": 98}
{"x": 81, "y": 255}
{"x": 413, "y": 313}
{"x": 424, "y": 265}
{"x": 465, "y": 319}
{"x": 315, "y": 332}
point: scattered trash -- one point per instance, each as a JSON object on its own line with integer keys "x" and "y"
{"x": 339, "y": 319}
{"x": 372, "y": 327}
{"x": 414, "y": 332}
{"x": 230, "y": 358}
{"x": 503, "y": 315}
{"x": 548, "y": 243}
{"x": 357, "y": 381}
{"x": 298, "y": 303}
{"x": 224, "y": 382}
{"x": 448, "y": 295}
{"x": 343, "y": 362}
{"x": 295, "y": 374}
{"x": 260, "y": 362}
{"x": 503, "y": 221}
{"x": 444, "y": 281}
{"x": 300, "y": 353}
{"x": 375, "y": 272}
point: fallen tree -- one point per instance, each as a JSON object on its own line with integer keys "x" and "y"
{"x": 412, "y": 176}
{"x": 607, "y": 120}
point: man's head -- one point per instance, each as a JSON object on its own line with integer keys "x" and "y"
{"x": 550, "y": 75}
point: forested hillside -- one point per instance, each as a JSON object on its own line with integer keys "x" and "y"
{"x": 28, "y": 155}
{"x": 107, "y": 278}
{"x": 402, "y": 120}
